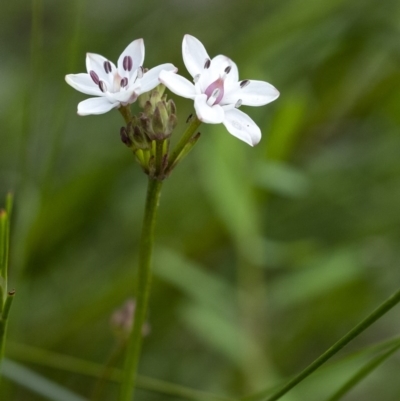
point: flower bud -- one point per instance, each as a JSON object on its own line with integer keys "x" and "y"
{"x": 125, "y": 137}
{"x": 158, "y": 120}
{"x": 140, "y": 139}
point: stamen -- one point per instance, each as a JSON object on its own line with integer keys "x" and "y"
{"x": 103, "y": 86}
{"x": 207, "y": 64}
{"x": 124, "y": 82}
{"x": 244, "y": 83}
{"x": 107, "y": 67}
{"x": 238, "y": 103}
{"x": 214, "y": 96}
{"x": 94, "y": 77}
{"x": 127, "y": 63}
{"x": 196, "y": 78}
{"x": 215, "y": 91}
{"x": 228, "y": 69}
{"x": 140, "y": 73}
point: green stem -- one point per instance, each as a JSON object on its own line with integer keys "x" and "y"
{"x": 187, "y": 135}
{"x": 126, "y": 113}
{"x": 159, "y": 156}
{"x": 42, "y": 357}
{"x": 363, "y": 373}
{"x": 4, "y": 322}
{"x": 357, "y": 330}
{"x": 143, "y": 282}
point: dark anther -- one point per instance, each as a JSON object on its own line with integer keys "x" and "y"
{"x": 103, "y": 86}
{"x": 207, "y": 64}
{"x": 244, "y": 83}
{"x": 124, "y": 82}
{"x": 95, "y": 77}
{"x": 228, "y": 69}
{"x": 107, "y": 67}
{"x": 189, "y": 118}
{"x": 127, "y": 63}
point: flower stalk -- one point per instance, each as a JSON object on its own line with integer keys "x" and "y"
{"x": 184, "y": 145}
{"x": 143, "y": 284}
{"x": 6, "y": 297}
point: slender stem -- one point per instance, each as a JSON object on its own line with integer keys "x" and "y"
{"x": 187, "y": 135}
{"x": 4, "y": 322}
{"x": 357, "y": 330}
{"x": 159, "y": 156}
{"x": 42, "y": 357}
{"x": 363, "y": 373}
{"x": 126, "y": 113}
{"x": 143, "y": 282}
{"x": 108, "y": 369}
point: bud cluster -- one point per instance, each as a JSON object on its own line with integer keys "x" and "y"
{"x": 148, "y": 133}
{"x": 158, "y": 119}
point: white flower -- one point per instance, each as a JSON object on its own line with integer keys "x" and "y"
{"x": 115, "y": 86}
{"x": 217, "y": 91}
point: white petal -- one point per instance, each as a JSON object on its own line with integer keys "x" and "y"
{"x": 256, "y": 93}
{"x": 123, "y": 96}
{"x": 217, "y": 70}
{"x": 208, "y": 114}
{"x": 96, "y": 63}
{"x": 194, "y": 55}
{"x": 135, "y": 51}
{"x": 242, "y": 126}
{"x": 150, "y": 78}
{"x": 177, "y": 84}
{"x": 233, "y": 75}
{"x": 96, "y": 105}
{"x": 83, "y": 83}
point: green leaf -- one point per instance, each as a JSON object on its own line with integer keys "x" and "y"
{"x": 363, "y": 372}
{"x": 36, "y": 383}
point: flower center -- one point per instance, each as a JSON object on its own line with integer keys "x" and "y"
{"x": 215, "y": 91}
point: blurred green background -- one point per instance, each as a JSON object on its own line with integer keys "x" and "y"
{"x": 264, "y": 256}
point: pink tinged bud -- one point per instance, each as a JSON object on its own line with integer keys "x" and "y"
{"x": 124, "y": 82}
{"x": 215, "y": 91}
{"x": 103, "y": 86}
{"x": 127, "y": 63}
{"x": 107, "y": 67}
{"x": 94, "y": 77}
{"x": 244, "y": 83}
{"x": 207, "y": 64}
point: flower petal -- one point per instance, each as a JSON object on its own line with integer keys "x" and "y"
{"x": 83, "y": 83}
{"x": 150, "y": 78}
{"x": 194, "y": 55}
{"x": 217, "y": 69}
{"x": 97, "y": 63}
{"x": 123, "y": 96}
{"x": 208, "y": 114}
{"x": 95, "y": 105}
{"x": 135, "y": 54}
{"x": 177, "y": 84}
{"x": 242, "y": 126}
{"x": 255, "y": 93}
